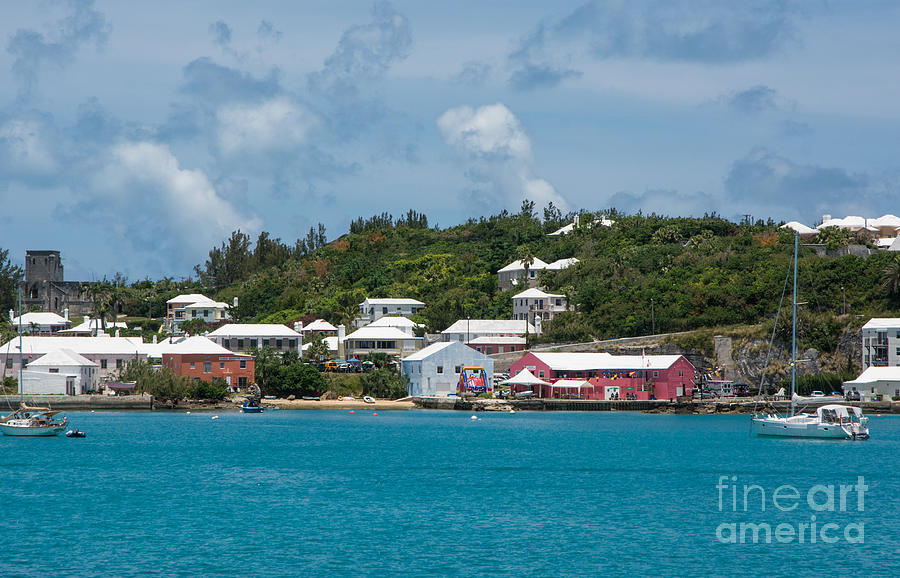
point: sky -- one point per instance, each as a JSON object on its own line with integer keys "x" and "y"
{"x": 135, "y": 136}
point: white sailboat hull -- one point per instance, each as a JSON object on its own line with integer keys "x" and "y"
{"x": 30, "y": 431}
{"x": 799, "y": 427}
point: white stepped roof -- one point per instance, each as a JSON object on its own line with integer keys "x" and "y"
{"x": 874, "y": 374}
{"x": 62, "y": 357}
{"x": 33, "y": 345}
{"x": 196, "y": 345}
{"x": 535, "y": 293}
{"x": 427, "y": 351}
{"x": 885, "y": 221}
{"x": 497, "y": 340}
{"x": 254, "y": 330}
{"x": 799, "y": 228}
{"x": 392, "y": 301}
{"x": 560, "y": 264}
{"x": 882, "y": 323}
{"x": 189, "y": 298}
{"x": 518, "y": 265}
{"x": 594, "y": 361}
{"x": 89, "y": 325}
{"x": 496, "y": 326}
{"x": 319, "y": 325}
{"x": 39, "y": 318}
{"x": 393, "y": 321}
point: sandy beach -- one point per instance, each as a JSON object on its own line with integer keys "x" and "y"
{"x": 355, "y": 404}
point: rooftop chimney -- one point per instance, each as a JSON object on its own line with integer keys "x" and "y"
{"x": 298, "y": 327}
{"x": 154, "y": 340}
{"x": 66, "y": 313}
{"x": 342, "y": 334}
{"x": 235, "y": 302}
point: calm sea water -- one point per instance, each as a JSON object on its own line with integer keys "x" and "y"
{"x": 419, "y": 492}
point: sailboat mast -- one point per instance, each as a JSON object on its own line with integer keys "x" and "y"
{"x": 21, "y": 385}
{"x": 794, "y": 325}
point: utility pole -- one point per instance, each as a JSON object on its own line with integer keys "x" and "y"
{"x": 844, "y": 297}
{"x": 652, "y": 318}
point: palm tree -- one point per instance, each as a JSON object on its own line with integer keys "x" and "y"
{"x": 890, "y": 276}
{"x": 524, "y": 254}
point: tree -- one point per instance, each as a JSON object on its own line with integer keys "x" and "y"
{"x": 10, "y": 279}
{"x": 194, "y": 326}
{"x": 384, "y": 383}
{"x": 525, "y": 254}
{"x": 318, "y": 349}
{"x": 890, "y": 276}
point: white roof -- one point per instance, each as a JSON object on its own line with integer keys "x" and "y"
{"x": 799, "y": 228}
{"x": 319, "y": 325}
{"x": 497, "y": 340}
{"x": 391, "y": 301}
{"x": 885, "y": 242}
{"x": 592, "y": 361}
{"x": 430, "y": 350}
{"x": 535, "y": 293}
{"x": 62, "y": 357}
{"x": 851, "y": 222}
{"x": 254, "y": 330}
{"x": 196, "y": 345}
{"x": 885, "y": 221}
{"x": 560, "y": 264}
{"x": 571, "y": 226}
{"x": 208, "y": 304}
{"x": 524, "y": 377}
{"x": 517, "y": 265}
{"x": 874, "y": 374}
{"x": 882, "y": 323}
{"x": 189, "y": 298}
{"x": 331, "y": 342}
{"x": 497, "y": 326}
{"x": 35, "y": 345}
{"x": 89, "y": 325}
{"x": 379, "y": 333}
{"x": 40, "y": 318}
{"x": 393, "y": 321}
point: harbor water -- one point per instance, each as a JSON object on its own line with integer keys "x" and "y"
{"x": 438, "y": 493}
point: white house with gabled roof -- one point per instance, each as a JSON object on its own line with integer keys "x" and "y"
{"x": 41, "y": 323}
{"x": 194, "y": 306}
{"x": 435, "y": 370}
{"x": 61, "y": 372}
{"x": 389, "y": 340}
{"x": 373, "y": 309}
{"x": 468, "y": 330}
{"x": 402, "y": 323}
{"x": 109, "y": 353}
{"x": 241, "y": 337}
{"x": 535, "y": 303}
{"x": 513, "y": 275}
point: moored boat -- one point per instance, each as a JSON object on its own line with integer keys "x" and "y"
{"x": 33, "y": 421}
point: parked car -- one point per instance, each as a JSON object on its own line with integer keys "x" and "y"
{"x": 817, "y": 393}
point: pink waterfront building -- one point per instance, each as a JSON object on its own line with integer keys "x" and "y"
{"x": 610, "y": 376}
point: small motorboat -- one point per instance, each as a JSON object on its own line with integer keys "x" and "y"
{"x": 251, "y": 406}
{"x": 75, "y": 433}
{"x": 368, "y": 399}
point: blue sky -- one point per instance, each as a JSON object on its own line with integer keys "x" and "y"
{"x": 135, "y": 136}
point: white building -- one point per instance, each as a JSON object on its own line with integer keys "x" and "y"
{"x": 193, "y": 306}
{"x": 435, "y": 369}
{"x": 534, "y": 304}
{"x": 513, "y": 275}
{"x": 874, "y": 381}
{"x": 498, "y": 344}
{"x": 799, "y": 228}
{"x": 373, "y": 309}
{"x": 881, "y": 343}
{"x": 109, "y": 353}
{"x": 565, "y": 230}
{"x": 884, "y": 230}
{"x": 330, "y": 341}
{"x": 389, "y": 340}
{"x": 61, "y": 372}
{"x": 240, "y": 337}
{"x": 468, "y": 330}
{"x": 317, "y": 326}
{"x": 41, "y": 323}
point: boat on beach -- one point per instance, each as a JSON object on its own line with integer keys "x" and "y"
{"x": 832, "y": 421}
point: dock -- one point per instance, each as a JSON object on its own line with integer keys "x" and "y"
{"x": 80, "y": 402}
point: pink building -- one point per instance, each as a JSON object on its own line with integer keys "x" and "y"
{"x": 611, "y": 376}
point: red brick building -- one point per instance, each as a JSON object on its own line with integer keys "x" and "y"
{"x": 201, "y": 358}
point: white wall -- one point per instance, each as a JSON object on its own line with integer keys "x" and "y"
{"x": 424, "y": 378}
{"x": 41, "y": 383}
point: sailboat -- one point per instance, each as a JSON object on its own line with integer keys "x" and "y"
{"x": 832, "y": 421}
{"x": 30, "y": 421}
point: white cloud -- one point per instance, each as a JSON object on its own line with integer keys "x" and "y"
{"x": 275, "y": 124}
{"x": 497, "y": 152}
{"x": 25, "y": 147}
{"x": 147, "y": 177}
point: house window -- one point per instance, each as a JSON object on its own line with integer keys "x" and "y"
{"x": 192, "y": 365}
{"x": 489, "y": 350}
{"x": 278, "y": 343}
{"x": 898, "y": 351}
{"x": 226, "y": 343}
{"x": 500, "y": 349}
{"x": 54, "y": 370}
{"x": 456, "y": 369}
{"x": 292, "y": 343}
{"x": 118, "y": 364}
{"x": 265, "y": 342}
{"x": 242, "y": 382}
{"x": 193, "y": 313}
{"x": 243, "y": 365}
{"x": 440, "y": 369}
{"x": 102, "y": 364}
{"x": 655, "y": 374}
{"x": 240, "y": 343}
{"x": 206, "y": 312}
{"x": 221, "y": 365}
{"x": 9, "y": 363}
{"x": 541, "y": 373}
{"x": 681, "y": 374}
{"x": 207, "y": 367}
{"x": 384, "y": 310}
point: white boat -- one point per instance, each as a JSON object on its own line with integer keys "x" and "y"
{"x": 832, "y": 421}
{"x": 30, "y": 421}
{"x": 33, "y": 421}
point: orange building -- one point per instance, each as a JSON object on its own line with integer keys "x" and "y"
{"x": 203, "y": 359}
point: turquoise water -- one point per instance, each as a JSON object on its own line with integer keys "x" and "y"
{"x": 419, "y": 492}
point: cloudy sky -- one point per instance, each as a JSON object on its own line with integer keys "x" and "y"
{"x": 135, "y": 136}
